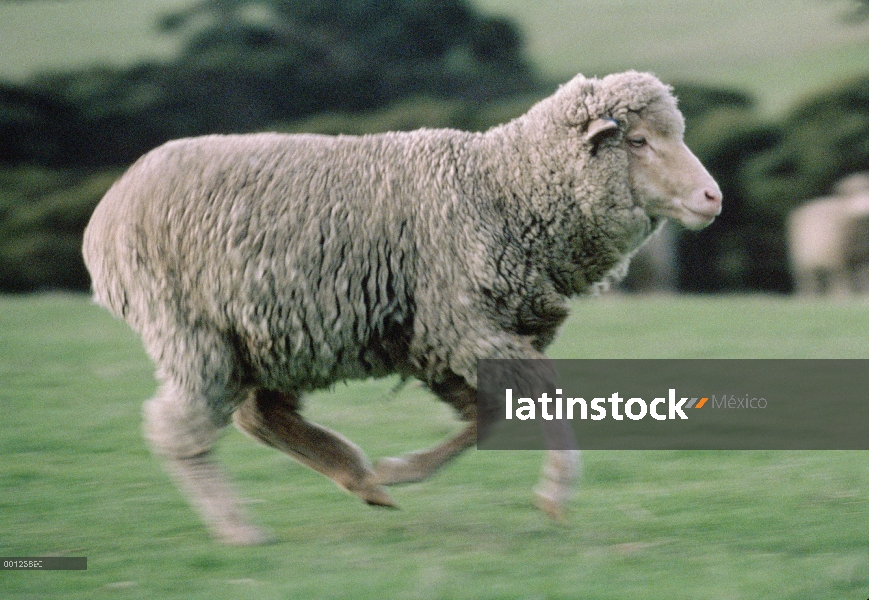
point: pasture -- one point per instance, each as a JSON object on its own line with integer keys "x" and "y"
{"x": 77, "y": 479}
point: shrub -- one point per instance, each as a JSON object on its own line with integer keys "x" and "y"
{"x": 43, "y": 214}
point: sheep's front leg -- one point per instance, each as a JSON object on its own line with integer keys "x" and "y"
{"x": 272, "y": 418}
{"x": 560, "y": 470}
{"x": 557, "y": 481}
{"x": 416, "y": 466}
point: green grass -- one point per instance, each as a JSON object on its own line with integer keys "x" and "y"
{"x": 76, "y": 479}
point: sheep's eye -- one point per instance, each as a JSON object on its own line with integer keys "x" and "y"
{"x": 637, "y": 142}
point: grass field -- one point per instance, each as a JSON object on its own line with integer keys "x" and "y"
{"x": 76, "y": 479}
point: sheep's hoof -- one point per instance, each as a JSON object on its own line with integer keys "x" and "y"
{"x": 375, "y": 496}
{"x": 553, "y": 509}
{"x": 371, "y": 493}
{"x": 244, "y": 535}
{"x": 390, "y": 471}
{"x": 382, "y": 504}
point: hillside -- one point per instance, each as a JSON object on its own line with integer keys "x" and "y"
{"x": 780, "y": 50}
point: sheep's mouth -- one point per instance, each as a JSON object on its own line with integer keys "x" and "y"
{"x": 704, "y": 206}
{"x": 691, "y": 218}
{"x": 705, "y": 214}
{"x": 697, "y": 219}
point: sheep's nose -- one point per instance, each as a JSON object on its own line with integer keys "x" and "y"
{"x": 713, "y": 198}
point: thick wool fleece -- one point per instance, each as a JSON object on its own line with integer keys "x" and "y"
{"x": 293, "y": 261}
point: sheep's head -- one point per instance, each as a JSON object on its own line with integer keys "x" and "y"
{"x": 665, "y": 177}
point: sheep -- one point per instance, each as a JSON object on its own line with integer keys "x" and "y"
{"x": 828, "y": 240}
{"x": 259, "y": 267}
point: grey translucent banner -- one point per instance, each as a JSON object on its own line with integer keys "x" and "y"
{"x": 663, "y": 404}
{"x": 44, "y": 563}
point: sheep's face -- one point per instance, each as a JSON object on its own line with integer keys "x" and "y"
{"x": 664, "y": 175}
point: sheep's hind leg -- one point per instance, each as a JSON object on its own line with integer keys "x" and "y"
{"x": 417, "y": 466}
{"x": 272, "y": 418}
{"x": 183, "y": 427}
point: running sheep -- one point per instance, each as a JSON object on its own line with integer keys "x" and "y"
{"x": 260, "y": 267}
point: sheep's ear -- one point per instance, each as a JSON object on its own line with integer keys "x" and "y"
{"x": 599, "y": 128}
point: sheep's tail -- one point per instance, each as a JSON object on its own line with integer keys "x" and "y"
{"x": 107, "y": 259}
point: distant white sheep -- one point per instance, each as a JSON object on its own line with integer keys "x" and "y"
{"x": 260, "y": 267}
{"x": 828, "y": 240}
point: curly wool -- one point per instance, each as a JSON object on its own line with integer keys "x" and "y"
{"x": 294, "y": 261}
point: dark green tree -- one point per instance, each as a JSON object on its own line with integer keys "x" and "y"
{"x": 735, "y": 253}
{"x": 248, "y": 64}
{"x": 354, "y": 53}
{"x": 860, "y": 11}
{"x": 245, "y": 65}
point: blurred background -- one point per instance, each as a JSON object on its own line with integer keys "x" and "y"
{"x": 775, "y": 92}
